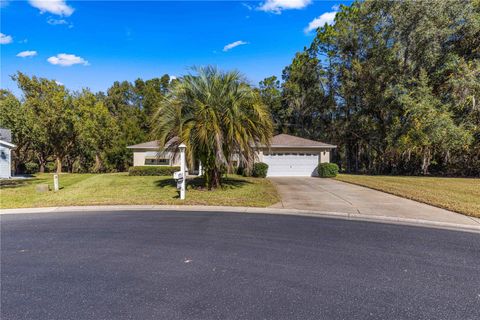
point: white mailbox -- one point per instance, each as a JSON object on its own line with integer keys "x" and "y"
{"x": 177, "y": 175}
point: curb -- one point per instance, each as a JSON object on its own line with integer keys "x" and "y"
{"x": 254, "y": 210}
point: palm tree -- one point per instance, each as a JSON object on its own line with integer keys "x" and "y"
{"x": 216, "y": 114}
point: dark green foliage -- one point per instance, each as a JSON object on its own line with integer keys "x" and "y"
{"x": 327, "y": 170}
{"x": 82, "y": 131}
{"x": 271, "y": 95}
{"x": 260, "y": 170}
{"x": 242, "y": 171}
{"x": 152, "y": 171}
{"x": 50, "y": 167}
{"x": 394, "y": 84}
{"x": 31, "y": 167}
{"x": 217, "y": 114}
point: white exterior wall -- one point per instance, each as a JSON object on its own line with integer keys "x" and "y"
{"x": 325, "y": 155}
{"x": 139, "y": 157}
{"x": 5, "y": 162}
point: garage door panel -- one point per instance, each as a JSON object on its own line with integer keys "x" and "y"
{"x": 291, "y": 164}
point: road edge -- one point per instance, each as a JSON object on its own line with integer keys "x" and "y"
{"x": 254, "y": 210}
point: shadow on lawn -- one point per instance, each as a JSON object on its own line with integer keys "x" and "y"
{"x": 198, "y": 183}
{"x": 15, "y": 183}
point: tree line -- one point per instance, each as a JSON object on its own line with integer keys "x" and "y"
{"x": 395, "y": 84}
{"x": 79, "y": 131}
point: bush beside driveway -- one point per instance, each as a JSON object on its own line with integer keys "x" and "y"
{"x": 121, "y": 189}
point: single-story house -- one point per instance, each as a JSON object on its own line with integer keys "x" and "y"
{"x": 6, "y": 147}
{"x": 287, "y": 155}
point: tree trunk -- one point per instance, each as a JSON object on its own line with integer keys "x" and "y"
{"x": 426, "y": 161}
{"x": 212, "y": 179}
{"x": 58, "y": 161}
{"x": 41, "y": 162}
{"x": 98, "y": 163}
{"x": 357, "y": 156}
{"x": 216, "y": 179}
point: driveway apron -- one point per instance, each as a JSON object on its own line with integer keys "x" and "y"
{"x": 317, "y": 194}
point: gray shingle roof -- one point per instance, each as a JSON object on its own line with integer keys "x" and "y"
{"x": 6, "y": 135}
{"x": 288, "y": 141}
{"x": 151, "y": 144}
{"x": 278, "y": 141}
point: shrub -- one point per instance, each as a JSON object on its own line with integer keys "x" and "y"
{"x": 50, "y": 167}
{"x": 260, "y": 170}
{"x": 241, "y": 171}
{"x": 327, "y": 170}
{"x": 31, "y": 167}
{"x": 152, "y": 171}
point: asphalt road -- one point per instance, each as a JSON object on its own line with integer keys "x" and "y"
{"x": 200, "y": 265}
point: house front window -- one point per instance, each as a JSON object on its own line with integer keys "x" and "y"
{"x": 154, "y": 161}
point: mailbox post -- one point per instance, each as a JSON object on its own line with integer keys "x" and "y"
{"x": 182, "y": 148}
{"x": 55, "y": 182}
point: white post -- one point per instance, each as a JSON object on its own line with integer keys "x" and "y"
{"x": 55, "y": 182}
{"x": 182, "y": 148}
{"x": 200, "y": 168}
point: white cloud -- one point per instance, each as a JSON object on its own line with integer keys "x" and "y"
{"x": 327, "y": 17}
{"x": 4, "y": 39}
{"x": 233, "y": 45}
{"x": 66, "y": 60}
{"x": 27, "y": 53}
{"x": 246, "y": 5}
{"x": 59, "y": 83}
{"x": 55, "y": 22}
{"x": 276, "y": 6}
{"x": 58, "y": 7}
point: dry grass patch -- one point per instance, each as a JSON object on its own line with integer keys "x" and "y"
{"x": 457, "y": 194}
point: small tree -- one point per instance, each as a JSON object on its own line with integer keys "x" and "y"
{"x": 427, "y": 127}
{"x": 216, "y": 114}
{"x": 51, "y": 106}
{"x": 94, "y": 126}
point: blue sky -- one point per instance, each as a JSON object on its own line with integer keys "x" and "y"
{"x": 93, "y": 43}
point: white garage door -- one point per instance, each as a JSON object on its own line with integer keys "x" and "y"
{"x": 291, "y": 164}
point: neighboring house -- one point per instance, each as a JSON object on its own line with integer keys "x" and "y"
{"x": 6, "y": 147}
{"x": 286, "y": 156}
{"x": 149, "y": 154}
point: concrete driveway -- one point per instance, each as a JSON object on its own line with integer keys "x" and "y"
{"x": 330, "y": 195}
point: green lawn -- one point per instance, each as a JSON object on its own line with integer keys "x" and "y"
{"x": 119, "y": 188}
{"x": 457, "y": 194}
